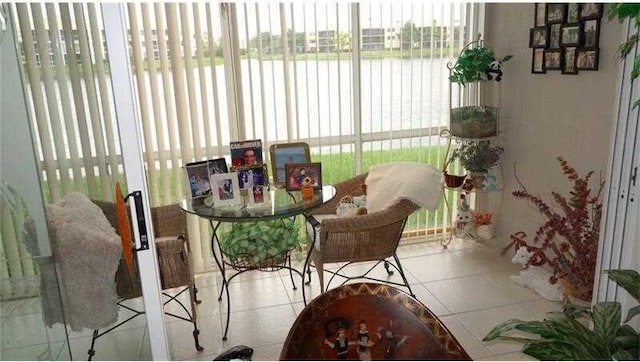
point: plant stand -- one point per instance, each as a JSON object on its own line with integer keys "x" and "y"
{"x": 473, "y": 117}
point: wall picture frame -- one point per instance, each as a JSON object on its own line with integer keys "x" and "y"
{"x": 569, "y": 60}
{"x": 283, "y": 153}
{"x": 590, "y": 33}
{"x": 225, "y": 189}
{"x": 538, "y": 37}
{"x": 540, "y": 18}
{"x": 537, "y": 61}
{"x": 303, "y": 174}
{"x": 587, "y": 58}
{"x": 554, "y": 36}
{"x": 590, "y": 11}
{"x": 570, "y": 35}
{"x": 246, "y": 153}
{"x": 573, "y": 12}
{"x": 556, "y": 13}
{"x": 552, "y": 60}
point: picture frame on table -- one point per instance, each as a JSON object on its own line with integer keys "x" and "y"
{"x": 587, "y": 58}
{"x": 218, "y": 165}
{"x": 556, "y": 13}
{"x": 283, "y": 153}
{"x": 246, "y": 153}
{"x": 590, "y": 11}
{"x": 537, "y": 61}
{"x": 590, "y": 33}
{"x": 570, "y": 35}
{"x": 569, "y": 60}
{"x": 303, "y": 174}
{"x": 225, "y": 189}
{"x": 541, "y": 14}
{"x": 538, "y": 37}
{"x": 259, "y": 196}
{"x": 552, "y": 60}
{"x": 249, "y": 177}
{"x": 198, "y": 179}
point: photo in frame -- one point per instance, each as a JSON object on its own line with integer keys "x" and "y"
{"x": 552, "y": 60}
{"x": 284, "y": 153}
{"x": 570, "y": 35}
{"x": 198, "y": 178}
{"x": 569, "y": 60}
{"x": 554, "y": 36}
{"x": 587, "y": 59}
{"x": 590, "y": 11}
{"x": 259, "y": 196}
{"x": 590, "y": 33}
{"x": 246, "y": 153}
{"x": 303, "y": 174}
{"x": 573, "y": 12}
{"x": 538, "y": 37}
{"x": 226, "y": 190}
{"x": 556, "y": 13}
{"x": 249, "y": 177}
{"x": 537, "y": 61}
{"x": 218, "y": 165}
{"x": 540, "y": 17}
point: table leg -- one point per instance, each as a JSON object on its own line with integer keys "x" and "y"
{"x": 291, "y": 273}
{"x": 220, "y": 263}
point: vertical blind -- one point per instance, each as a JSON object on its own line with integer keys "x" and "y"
{"x": 208, "y": 74}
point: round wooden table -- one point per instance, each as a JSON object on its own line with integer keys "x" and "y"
{"x": 369, "y": 321}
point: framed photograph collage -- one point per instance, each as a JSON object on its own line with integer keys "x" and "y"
{"x": 565, "y": 37}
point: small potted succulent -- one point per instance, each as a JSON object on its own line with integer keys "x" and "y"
{"x": 477, "y": 158}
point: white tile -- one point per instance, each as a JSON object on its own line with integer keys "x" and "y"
{"x": 27, "y": 306}
{"x": 474, "y": 348}
{"x": 514, "y": 356}
{"x": 113, "y": 346}
{"x": 468, "y": 293}
{"x": 481, "y": 322}
{"x": 541, "y": 307}
{"x": 267, "y": 353}
{"x": 181, "y": 341}
{"x": 437, "y": 267}
{"x": 420, "y": 249}
{"x": 260, "y": 327}
{"x": 256, "y": 293}
{"x": 429, "y": 300}
{"x": 40, "y": 352}
{"x": 27, "y": 330}
{"x": 6, "y": 307}
{"x": 516, "y": 292}
{"x": 486, "y": 259}
{"x": 379, "y": 272}
{"x": 298, "y": 308}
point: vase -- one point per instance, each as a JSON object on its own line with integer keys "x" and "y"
{"x": 484, "y": 232}
{"x": 478, "y": 179}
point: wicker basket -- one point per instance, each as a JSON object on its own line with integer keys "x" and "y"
{"x": 453, "y": 181}
{"x": 247, "y": 262}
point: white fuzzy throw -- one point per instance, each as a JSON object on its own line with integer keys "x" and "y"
{"x": 388, "y": 183}
{"x": 87, "y": 251}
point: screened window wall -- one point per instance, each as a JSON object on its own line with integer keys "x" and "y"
{"x": 362, "y": 84}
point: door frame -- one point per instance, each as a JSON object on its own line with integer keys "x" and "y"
{"x": 114, "y": 18}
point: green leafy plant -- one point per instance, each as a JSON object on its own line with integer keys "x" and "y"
{"x": 477, "y": 156}
{"x": 255, "y": 242}
{"x": 561, "y": 336}
{"x": 622, "y": 12}
{"x": 472, "y": 64}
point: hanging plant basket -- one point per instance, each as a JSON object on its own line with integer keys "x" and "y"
{"x": 474, "y": 122}
{"x": 453, "y": 181}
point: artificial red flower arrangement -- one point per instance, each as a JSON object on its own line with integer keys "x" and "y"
{"x": 568, "y": 239}
{"x": 482, "y": 218}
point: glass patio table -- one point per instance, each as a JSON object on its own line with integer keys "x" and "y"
{"x": 281, "y": 204}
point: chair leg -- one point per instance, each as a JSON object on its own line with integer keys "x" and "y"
{"x": 193, "y": 291}
{"x": 386, "y": 266}
{"x": 308, "y": 275}
{"x": 195, "y": 294}
{"x": 404, "y": 278}
{"x": 320, "y": 270}
{"x": 92, "y": 351}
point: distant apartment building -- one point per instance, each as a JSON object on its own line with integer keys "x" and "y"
{"x": 325, "y": 41}
{"x": 373, "y": 39}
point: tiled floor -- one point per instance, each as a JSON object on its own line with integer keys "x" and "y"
{"x": 467, "y": 286}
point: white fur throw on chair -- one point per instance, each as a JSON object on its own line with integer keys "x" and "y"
{"x": 87, "y": 251}
{"x": 388, "y": 183}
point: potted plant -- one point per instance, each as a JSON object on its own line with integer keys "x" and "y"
{"x": 476, "y": 62}
{"x": 477, "y": 158}
{"x": 561, "y": 336}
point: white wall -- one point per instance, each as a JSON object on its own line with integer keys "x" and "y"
{"x": 543, "y": 116}
{"x": 17, "y": 160}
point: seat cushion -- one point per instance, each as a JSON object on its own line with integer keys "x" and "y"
{"x": 311, "y": 230}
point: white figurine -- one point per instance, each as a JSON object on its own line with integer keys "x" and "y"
{"x": 464, "y": 219}
{"x": 535, "y": 277}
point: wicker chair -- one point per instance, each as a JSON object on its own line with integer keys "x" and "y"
{"x": 370, "y": 237}
{"x": 172, "y": 247}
